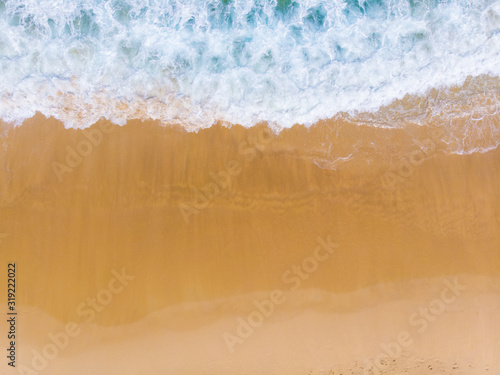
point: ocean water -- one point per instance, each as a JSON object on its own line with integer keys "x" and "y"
{"x": 282, "y": 62}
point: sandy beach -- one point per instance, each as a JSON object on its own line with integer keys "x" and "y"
{"x": 155, "y": 244}
{"x": 250, "y": 187}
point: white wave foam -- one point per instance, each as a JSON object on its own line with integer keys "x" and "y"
{"x": 195, "y": 63}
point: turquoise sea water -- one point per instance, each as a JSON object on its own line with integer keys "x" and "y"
{"x": 195, "y": 62}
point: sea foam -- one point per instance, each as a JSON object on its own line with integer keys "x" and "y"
{"x": 197, "y": 62}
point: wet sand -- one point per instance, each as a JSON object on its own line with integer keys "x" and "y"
{"x": 206, "y": 223}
